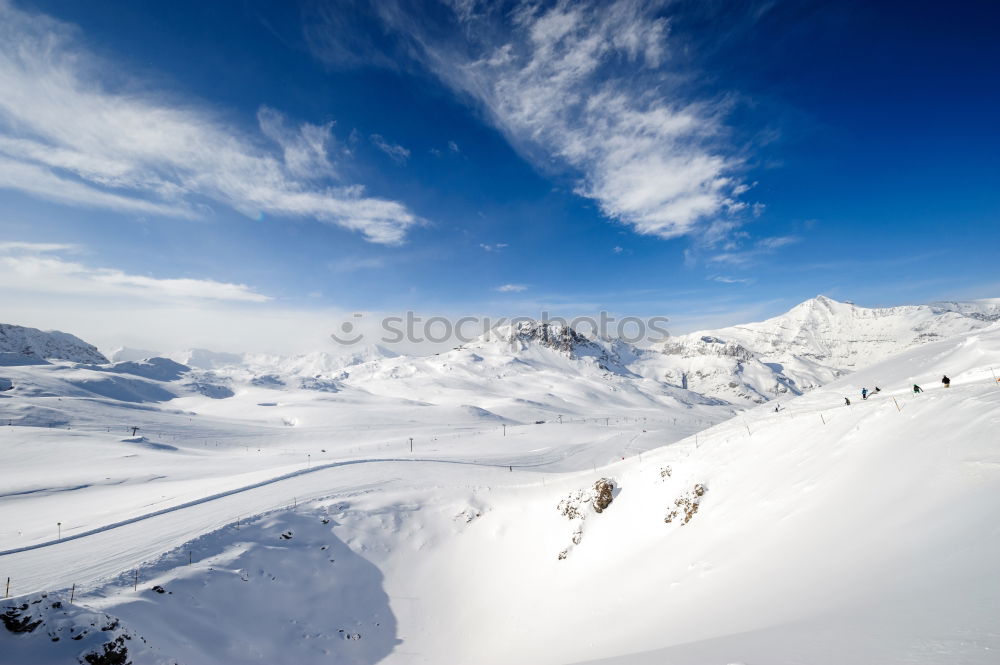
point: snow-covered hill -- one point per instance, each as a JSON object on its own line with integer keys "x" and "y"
{"x": 819, "y": 534}
{"x": 810, "y": 345}
{"x": 52, "y": 344}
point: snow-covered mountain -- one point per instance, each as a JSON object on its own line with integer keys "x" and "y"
{"x": 810, "y": 345}
{"x": 538, "y": 371}
{"x": 130, "y": 354}
{"x": 987, "y": 309}
{"x": 50, "y": 344}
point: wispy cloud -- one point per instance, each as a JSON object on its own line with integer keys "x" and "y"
{"x": 759, "y": 249}
{"x": 352, "y": 264}
{"x": 71, "y": 135}
{"x": 36, "y": 247}
{"x": 396, "y": 152}
{"x": 39, "y": 268}
{"x": 586, "y": 86}
{"x": 496, "y": 247}
{"x": 722, "y": 279}
{"x": 511, "y": 288}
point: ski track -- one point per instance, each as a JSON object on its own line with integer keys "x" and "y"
{"x": 247, "y": 488}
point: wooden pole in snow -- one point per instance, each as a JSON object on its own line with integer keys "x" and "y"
{"x": 896, "y": 403}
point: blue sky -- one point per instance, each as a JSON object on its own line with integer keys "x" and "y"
{"x": 245, "y": 174}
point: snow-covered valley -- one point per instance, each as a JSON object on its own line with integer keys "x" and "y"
{"x": 564, "y": 501}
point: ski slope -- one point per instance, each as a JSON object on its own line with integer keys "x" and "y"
{"x": 824, "y": 533}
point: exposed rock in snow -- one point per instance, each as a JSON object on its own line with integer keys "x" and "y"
{"x": 51, "y": 344}
{"x": 49, "y": 629}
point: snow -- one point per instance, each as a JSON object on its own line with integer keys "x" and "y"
{"x": 291, "y": 524}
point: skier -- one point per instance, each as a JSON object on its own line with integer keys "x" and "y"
{"x": 847, "y": 402}
{"x": 864, "y": 393}
{"x": 946, "y": 381}
{"x": 917, "y": 389}
{"x": 877, "y": 390}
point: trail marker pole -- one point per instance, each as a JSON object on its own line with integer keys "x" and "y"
{"x": 896, "y": 403}
{"x": 135, "y": 584}
{"x": 7, "y": 592}
{"x": 504, "y": 429}
{"x": 189, "y": 557}
{"x": 59, "y": 530}
{"x": 72, "y": 592}
{"x": 822, "y": 418}
{"x": 411, "y": 443}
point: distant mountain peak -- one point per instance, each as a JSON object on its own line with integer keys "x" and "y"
{"x": 557, "y": 336}
{"x": 47, "y": 344}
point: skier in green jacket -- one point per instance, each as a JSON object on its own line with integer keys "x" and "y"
{"x": 917, "y": 389}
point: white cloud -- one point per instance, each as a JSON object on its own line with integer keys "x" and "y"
{"x": 583, "y": 84}
{"x": 722, "y": 279}
{"x": 37, "y": 268}
{"x": 397, "y": 153}
{"x": 512, "y": 288}
{"x": 494, "y": 247}
{"x": 452, "y": 146}
{"x": 69, "y": 135}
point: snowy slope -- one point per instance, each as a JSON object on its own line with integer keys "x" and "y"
{"x": 51, "y": 344}
{"x": 810, "y": 345}
{"x": 821, "y": 533}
